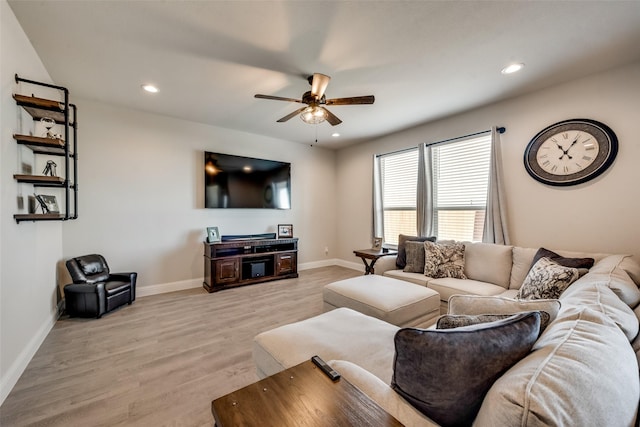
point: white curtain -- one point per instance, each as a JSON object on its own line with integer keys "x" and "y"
{"x": 424, "y": 200}
{"x": 378, "y": 213}
{"x": 495, "y": 225}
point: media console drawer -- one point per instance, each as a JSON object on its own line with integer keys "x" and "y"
{"x": 245, "y": 262}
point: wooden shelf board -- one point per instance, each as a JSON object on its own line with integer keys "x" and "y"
{"x": 41, "y": 145}
{"x": 40, "y": 179}
{"x": 39, "y": 217}
{"x": 39, "y": 107}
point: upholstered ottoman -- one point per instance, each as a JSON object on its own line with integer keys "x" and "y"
{"x": 395, "y": 301}
{"x": 338, "y": 334}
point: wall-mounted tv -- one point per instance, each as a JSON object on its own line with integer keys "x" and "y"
{"x": 237, "y": 182}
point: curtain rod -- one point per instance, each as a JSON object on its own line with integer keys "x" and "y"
{"x": 500, "y": 130}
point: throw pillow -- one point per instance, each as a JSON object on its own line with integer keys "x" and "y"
{"x": 579, "y": 263}
{"x": 449, "y": 321}
{"x": 401, "y": 259}
{"x": 444, "y": 260}
{"x": 546, "y": 280}
{"x": 445, "y": 374}
{"x": 477, "y": 304}
{"x": 415, "y": 257}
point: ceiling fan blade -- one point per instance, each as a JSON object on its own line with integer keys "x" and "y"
{"x": 319, "y": 85}
{"x": 355, "y": 100}
{"x": 292, "y": 115}
{"x": 332, "y": 118}
{"x": 277, "y": 98}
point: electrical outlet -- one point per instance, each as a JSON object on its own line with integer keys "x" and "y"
{"x": 326, "y": 250}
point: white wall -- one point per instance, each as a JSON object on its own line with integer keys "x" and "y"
{"x": 141, "y": 194}
{"x": 597, "y": 216}
{"x": 28, "y": 251}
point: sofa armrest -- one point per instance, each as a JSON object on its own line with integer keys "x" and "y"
{"x": 381, "y": 393}
{"x": 385, "y": 263}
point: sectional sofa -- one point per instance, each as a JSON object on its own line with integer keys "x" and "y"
{"x": 582, "y": 370}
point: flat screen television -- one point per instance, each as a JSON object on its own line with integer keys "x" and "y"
{"x": 237, "y": 182}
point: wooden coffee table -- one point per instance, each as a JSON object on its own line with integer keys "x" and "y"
{"x": 373, "y": 255}
{"x": 302, "y": 395}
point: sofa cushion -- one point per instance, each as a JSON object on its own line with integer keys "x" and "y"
{"x": 581, "y": 372}
{"x": 402, "y": 239}
{"x": 444, "y": 260}
{"x": 446, "y": 373}
{"x": 449, "y": 321}
{"x": 609, "y": 271}
{"x": 417, "y": 278}
{"x": 488, "y": 262}
{"x": 415, "y": 257}
{"x": 599, "y": 297}
{"x": 547, "y": 280}
{"x": 447, "y": 287}
{"x": 468, "y": 304}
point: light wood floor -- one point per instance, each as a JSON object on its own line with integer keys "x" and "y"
{"x": 161, "y": 361}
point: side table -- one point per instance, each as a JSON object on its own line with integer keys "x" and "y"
{"x": 373, "y": 255}
{"x": 301, "y": 395}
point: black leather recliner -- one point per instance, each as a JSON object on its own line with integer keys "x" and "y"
{"x": 95, "y": 290}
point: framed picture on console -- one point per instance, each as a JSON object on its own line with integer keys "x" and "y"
{"x": 377, "y": 243}
{"x": 285, "y": 231}
{"x": 213, "y": 235}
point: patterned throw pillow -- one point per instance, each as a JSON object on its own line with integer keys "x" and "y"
{"x": 547, "y": 280}
{"x": 444, "y": 260}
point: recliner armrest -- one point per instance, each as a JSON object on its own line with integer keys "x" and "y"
{"x": 127, "y": 277}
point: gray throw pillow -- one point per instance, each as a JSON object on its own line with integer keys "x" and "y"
{"x": 401, "y": 259}
{"x": 449, "y": 321}
{"x": 445, "y": 374}
{"x": 415, "y": 257}
{"x": 547, "y": 280}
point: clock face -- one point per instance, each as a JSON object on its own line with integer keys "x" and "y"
{"x": 571, "y": 152}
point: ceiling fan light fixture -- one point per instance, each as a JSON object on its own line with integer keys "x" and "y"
{"x": 313, "y": 115}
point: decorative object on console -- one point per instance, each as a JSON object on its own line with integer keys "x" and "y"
{"x": 547, "y": 280}
{"x": 213, "y": 235}
{"x": 377, "y": 243}
{"x": 445, "y": 374}
{"x": 401, "y": 260}
{"x": 285, "y": 231}
{"x": 444, "y": 260}
{"x": 48, "y": 123}
{"x": 571, "y": 152}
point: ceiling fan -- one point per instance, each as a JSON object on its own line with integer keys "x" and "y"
{"x": 315, "y": 111}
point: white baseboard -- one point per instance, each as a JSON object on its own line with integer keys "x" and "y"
{"x": 144, "y": 291}
{"x": 350, "y": 264}
{"x": 22, "y": 361}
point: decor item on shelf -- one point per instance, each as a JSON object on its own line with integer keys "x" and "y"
{"x": 315, "y": 112}
{"x": 50, "y": 169}
{"x": 49, "y": 204}
{"x": 285, "y": 231}
{"x": 377, "y": 243}
{"x": 48, "y": 123}
{"x": 571, "y": 152}
{"x": 213, "y": 235}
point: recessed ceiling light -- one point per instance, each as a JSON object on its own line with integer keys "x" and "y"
{"x": 512, "y": 68}
{"x": 150, "y": 88}
{"x": 335, "y": 135}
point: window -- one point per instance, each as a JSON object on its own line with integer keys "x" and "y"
{"x": 460, "y": 182}
{"x": 398, "y": 185}
{"x": 460, "y": 176}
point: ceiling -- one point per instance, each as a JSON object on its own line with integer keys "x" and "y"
{"x": 421, "y": 59}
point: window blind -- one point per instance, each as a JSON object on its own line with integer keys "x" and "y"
{"x": 399, "y": 172}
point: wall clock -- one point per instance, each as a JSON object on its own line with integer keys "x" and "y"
{"x": 571, "y": 152}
